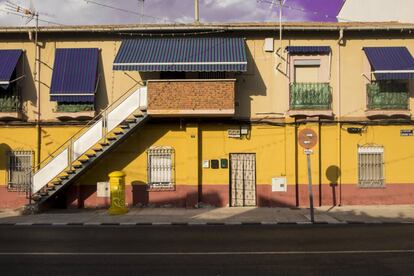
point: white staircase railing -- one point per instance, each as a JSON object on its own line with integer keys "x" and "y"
{"x": 96, "y": 130}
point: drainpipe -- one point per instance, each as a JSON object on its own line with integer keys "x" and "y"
{"x": 339, "y": 134}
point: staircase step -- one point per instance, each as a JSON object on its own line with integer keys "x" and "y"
{"x": 51, "y": 188}
{"x": 84, "y": 161}
{"x": 138, "y": 115}
{"x": 118, "y": 132}
{"x": 78, "y": 166}
{"x": 57, "y": 182}
{"x": 70, "y": 171}
{"x": 36, "y": 197}
{"x": 111, "y": 138}
{"x": 64, "y": 177}
{"x": 130, "y": 121}
{"x": 97, "y": 149}
{"x": 125, "y": 127}
{"x": 90, "y": 155}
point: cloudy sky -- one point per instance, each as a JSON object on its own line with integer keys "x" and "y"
{"x": 71, "y": 12}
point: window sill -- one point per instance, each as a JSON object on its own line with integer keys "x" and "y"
{"x": 310, "y": 113}
{"x": 81, "y": 115}
{"x": 166, "y": 189}
{"x": 16, "y": 115}
{"x": 388, "y": 113}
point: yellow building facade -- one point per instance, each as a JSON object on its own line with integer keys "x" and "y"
{"x": 224, "y": 137}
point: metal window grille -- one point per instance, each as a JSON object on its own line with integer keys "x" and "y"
{"x": 19, "y": 166}
{"x": 161, "y": 168}
{"x": 371, "y": 167}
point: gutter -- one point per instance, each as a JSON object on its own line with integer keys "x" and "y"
{"x": 103, "y": 29}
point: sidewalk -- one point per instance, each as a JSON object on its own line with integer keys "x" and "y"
{"x": 250, "y": 215}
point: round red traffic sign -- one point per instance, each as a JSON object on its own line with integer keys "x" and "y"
{"x": 307, "y": 138}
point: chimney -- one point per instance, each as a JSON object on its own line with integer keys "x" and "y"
{"x": 196, "y": 12}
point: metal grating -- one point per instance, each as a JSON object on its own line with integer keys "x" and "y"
{"x": 371, "y": 167}
{"x": 19, "y": 167}
{"x": 160, "y": 168}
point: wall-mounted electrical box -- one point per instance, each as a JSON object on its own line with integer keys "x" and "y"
{"x": 224, "y": 163}
{"x": 206, "y": 164}
{"x": 214, "y": 164}
{"x": 268, "y": 44}
{"x": 102, "y": 189}
{"x": 279, "y": 184}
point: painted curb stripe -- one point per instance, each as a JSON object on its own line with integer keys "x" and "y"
{"x": 232, "y": 223}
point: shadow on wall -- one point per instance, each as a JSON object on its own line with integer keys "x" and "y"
{"x": 28, "y": 87}
{"x": 4, "y": 149}
{"x": 249, "y": 84}
{"x": 332, "y": 174}
{"x": 180, "y": 197}
{"x": 102, "y": 100}
{"x": 115, "y": 160}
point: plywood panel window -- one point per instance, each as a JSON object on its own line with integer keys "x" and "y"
{"x": 19, "y": 166}
{"x": 161, "y": 168}
{"x": 371, "y": 167}
{"x": 307, "y": 73}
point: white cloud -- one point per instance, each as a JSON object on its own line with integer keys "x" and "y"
{"x": 79, "y": 12}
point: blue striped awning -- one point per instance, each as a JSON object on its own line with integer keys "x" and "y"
{"x": 8, "y": 62}
{"x": 207, "y": 54}
{"x": 74, "y": 75}
{"x": 308, "y": 50}
{"x": 390, "y": 63}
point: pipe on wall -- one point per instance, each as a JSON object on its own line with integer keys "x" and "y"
{"x": 339, "y": 134}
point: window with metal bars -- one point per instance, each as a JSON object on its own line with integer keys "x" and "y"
{"x": 19, "y": 166}
{"x": 160, "y": 168}
{"x": 371, "y": 167}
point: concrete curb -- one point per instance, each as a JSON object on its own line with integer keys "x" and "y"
{"x": 232, "y": 223}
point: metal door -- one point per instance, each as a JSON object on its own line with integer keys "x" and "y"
{"x": 243, "y": 179}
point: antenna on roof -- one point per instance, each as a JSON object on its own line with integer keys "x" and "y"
{"x": 141, "y": 4}
{"x": 196, "y": 12}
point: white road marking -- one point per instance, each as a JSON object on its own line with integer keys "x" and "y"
{"x": 334, "y": 252}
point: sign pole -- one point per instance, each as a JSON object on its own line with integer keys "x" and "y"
{"x": 308, "y": 139}
{"x": 310, "y": 187}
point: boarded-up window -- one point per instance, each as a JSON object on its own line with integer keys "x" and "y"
{"x": 371, "y": 167}
{"x": 160, "y": 168}
{"x": 19, "y": 167}
{"x": 306, "y": 73}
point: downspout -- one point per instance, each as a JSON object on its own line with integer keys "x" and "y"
{"x": 339, "y": 134}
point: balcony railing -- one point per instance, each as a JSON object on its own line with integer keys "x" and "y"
{"x": 312, "y": 96}
{"x": 10, "y": 103}
{"x": 387, "y": 95}
{"x": 78, "y": 107}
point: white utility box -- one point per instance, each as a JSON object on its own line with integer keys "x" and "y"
{"x": 279, "y": 184}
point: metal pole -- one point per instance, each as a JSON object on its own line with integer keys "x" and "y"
{"x": 310, "y": 187}
{"x": 196, "y": 12}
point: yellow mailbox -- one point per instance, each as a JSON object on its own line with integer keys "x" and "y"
{"x": 117, "y": 188}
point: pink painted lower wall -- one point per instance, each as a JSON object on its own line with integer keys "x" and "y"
{"x": 218, "y": 195}
{"x": 85, "y": 196}
{"x": 12, "y": 200}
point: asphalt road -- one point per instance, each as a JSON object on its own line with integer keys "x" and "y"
{"x": 208, "y": 250}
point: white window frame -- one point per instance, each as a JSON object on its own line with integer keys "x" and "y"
{"x": 371, "y": 169}
{"x": 23, "y": 174}
{"x": 161, "y": 171}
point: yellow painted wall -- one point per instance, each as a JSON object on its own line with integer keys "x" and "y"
{"x": 14, "y": 138}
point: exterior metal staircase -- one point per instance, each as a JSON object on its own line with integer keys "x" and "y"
{"x": 99, "y": 137}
